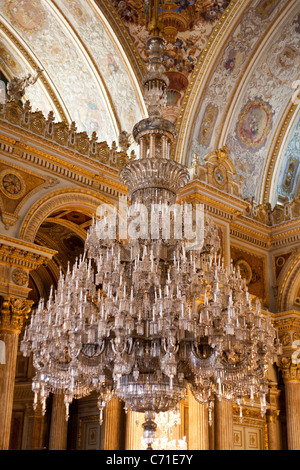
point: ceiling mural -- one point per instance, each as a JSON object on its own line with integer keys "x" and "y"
{"x": 81, "y": 60}
{"x": 185, "y": 25}
{"x": 225, "y": 77}
{"x": 90, "y": 78}
{"x": 268, "y": 92}
{"x": 241, "y": 107}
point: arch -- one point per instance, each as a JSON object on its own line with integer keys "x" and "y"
{"x": 289, "y": 283}
{"x": 70, "y": 198}
{"x": 276, "y": 153}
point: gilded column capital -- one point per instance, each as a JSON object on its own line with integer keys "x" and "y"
{"x": 290, "y": 369}
{"x": 272, "y": 415}
{"x": 14, "y": 311}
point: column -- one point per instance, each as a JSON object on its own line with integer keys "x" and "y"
{"x": 38, "y": 429}
{"x": 291, "y": 378}
{"x": 273, "y": 430}
{"x": 223, "y": 424}
{"x": 134, "y": 430}
{"x": 114, "y": 432}
{"x": 12, "y": 314}
{"x": 59, "y": 424}
{"x": 272, "y": 415}
{"x": 198, "y": 425}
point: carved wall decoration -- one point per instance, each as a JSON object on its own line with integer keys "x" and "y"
{"x": 245, "y": 270}
{"x": 220, "y": 175}
{"x": 12, "y": 184}
{"x": 20, "y": 277}
{"x": 16, "y": 187}
{"x": 254, "y": 123}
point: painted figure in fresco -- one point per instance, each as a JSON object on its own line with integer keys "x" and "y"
{"x": 255, "y": 123}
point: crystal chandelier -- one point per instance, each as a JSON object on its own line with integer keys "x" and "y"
{"x": 144, "y": 317}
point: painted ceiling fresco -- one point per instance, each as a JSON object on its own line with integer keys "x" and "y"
{"x": 92, "y": 53}
{"x": 247, "y": 95}
{"x": 81, "y": 63}
{"x": 185, "y": 25}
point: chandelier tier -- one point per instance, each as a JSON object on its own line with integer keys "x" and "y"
{"x": 143, "y": 318}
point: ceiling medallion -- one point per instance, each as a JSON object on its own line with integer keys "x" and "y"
{"x": 12, "y": 183}
{"x": 150, "y": 309}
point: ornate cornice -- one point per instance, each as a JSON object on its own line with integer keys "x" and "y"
{"x": 22, "y": 254}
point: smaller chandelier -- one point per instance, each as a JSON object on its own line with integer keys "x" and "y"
{"x": 166, "y": 422}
